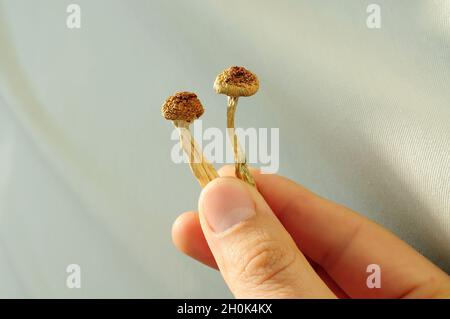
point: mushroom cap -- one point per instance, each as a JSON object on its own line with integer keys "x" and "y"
{"x": 236, "y": 81}
{"x": 184, "y": 106}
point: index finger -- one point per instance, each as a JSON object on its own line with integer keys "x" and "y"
{"x": 345, "y": 243}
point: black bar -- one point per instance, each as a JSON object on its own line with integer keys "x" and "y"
{"x": 226, "y": 308}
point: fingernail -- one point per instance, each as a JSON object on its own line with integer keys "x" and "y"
{"x": 226, "y": 203}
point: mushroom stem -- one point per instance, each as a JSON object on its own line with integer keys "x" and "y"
{"x": 241, "y": 169}
{"x": 200, "y": 167}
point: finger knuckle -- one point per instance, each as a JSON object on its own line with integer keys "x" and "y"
{"x": 267, "y": 263}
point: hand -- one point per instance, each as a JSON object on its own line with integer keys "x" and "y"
{"x": 286, "y": 242}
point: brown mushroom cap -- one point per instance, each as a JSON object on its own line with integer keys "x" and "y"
{"x": 184, "y": 106}
{"x": 236, "y": 81}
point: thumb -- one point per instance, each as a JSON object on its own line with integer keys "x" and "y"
{"x": 255, "y": 254}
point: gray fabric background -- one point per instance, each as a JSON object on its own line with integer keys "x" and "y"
{"x": 85, "y": 169}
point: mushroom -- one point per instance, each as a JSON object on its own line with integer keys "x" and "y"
{"x": 234, "y": 82}
{"x": 183, "y": 108}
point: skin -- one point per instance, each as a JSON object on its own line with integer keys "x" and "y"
{"x": 299, "y": 245}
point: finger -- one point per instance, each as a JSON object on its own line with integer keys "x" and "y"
{"x": 326, "y": 278}
{"x": 189, "y": 239}
{"x": 187, "y": 235}
{"x": 345, "y": 243}
{"x": 253, "y": 251}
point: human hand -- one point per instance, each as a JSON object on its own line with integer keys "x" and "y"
{"x": 287, "y": 242}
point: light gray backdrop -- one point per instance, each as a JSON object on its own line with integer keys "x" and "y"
{"x": 85, "y": 169}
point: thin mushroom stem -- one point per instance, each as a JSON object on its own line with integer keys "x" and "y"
{"x": 241, "y": 169}
{"x": 200, "y": 167}
{"x": 207, "y": 166}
